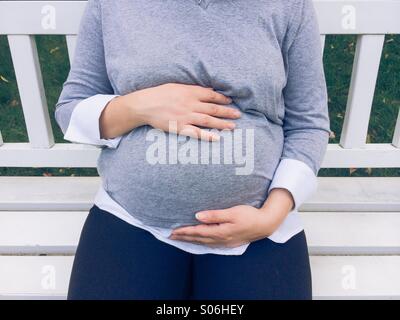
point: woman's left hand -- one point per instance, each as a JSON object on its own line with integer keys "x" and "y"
{"x": 238, "y": 225}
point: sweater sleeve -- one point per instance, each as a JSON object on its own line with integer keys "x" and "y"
{"x": 87, "y": 89}
{"x": 306, "y": 121}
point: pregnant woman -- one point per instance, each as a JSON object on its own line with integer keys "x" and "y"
{"x": 212, "y": 120}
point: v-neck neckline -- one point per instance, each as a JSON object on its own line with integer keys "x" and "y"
{"x": 203, "y": 3}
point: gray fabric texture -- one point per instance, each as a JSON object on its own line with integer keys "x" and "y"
{"x": 264, "y": 54}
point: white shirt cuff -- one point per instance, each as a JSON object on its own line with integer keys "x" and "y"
{"x": 296, "y": 177}
{"x": 84, "y": 125}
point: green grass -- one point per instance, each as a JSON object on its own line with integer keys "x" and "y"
{"x": 338, "y": 59}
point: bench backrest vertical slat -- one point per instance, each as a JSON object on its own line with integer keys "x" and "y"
{"x": 361, "y": 93}
{"x": 1, "y": 139}
{"x": 31, "y": 90}
{"x": 323, "y": 37}
{"x": 396, "y": 135}
{"x": 71, "y": 43}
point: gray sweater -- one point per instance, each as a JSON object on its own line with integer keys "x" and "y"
{"x": 264, "y": 54}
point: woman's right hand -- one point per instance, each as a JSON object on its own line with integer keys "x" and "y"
{"x": 181, "y": 108}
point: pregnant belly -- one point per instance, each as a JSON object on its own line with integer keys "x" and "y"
{"x": 163, "y": 179}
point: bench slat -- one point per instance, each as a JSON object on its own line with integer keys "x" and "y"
{"x": 396, "y": 134}
{"x": 40, "y": 232}
{"x": 40, "y": 17}
{"x": 71, "y": 44}
{"x": 355, "y": 194}
{"x": 57, "y": 232}
{"x": 371, "y": 16}
{"x": 356, "y": 233}
{"x": 73, "y": 155}
{"x": 31, "y": 90}
{"x": 32, "y": 17}
{"x": 77, "y": 193}
{"x": 28, "y": 277}
{"x": 361, "y": 92}
{"x": 371, "y": 155}
{"x": 374, "y": 277}
{"x": 323, "y": 38}
{"x": 47, "y": 193}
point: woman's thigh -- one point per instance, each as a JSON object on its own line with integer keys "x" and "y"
{"x": 115, "y": 260}
{"x": 266, "y": 270}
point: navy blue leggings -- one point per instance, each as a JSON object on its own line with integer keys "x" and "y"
{"x": 115, "y": 260}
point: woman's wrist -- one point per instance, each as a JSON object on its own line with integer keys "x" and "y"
{"x": 119, "y": 116}
{"x": 132, "y": 104}
{"x": 274, "y": 210}
{"x": 279, "y": 200}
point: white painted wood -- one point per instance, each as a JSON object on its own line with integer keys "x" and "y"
{"x": 328, "y": 233}
{"x": 47, "y": 193}
{"x": 323, "y": 37}
{"x": 71, "y": 44}
{"x": 40, "y": 17}
{"x": 1, "y": 139}
{"x": 396, "y": 135}
{"x": 31, "y": 90}
{"x": 356, "y": 233}
{"x": 362, "y": 88}
{"x": 372, "y": 16}
{"x": 24, "y": 277}
{"x": 355, "y": 194}
{"x": 72, "y": 155}
{"x": 356, "y": 277}
{"x": 40, "y": 232}
{"x": 372, "y": 155}
{"x": 77, "y": 193}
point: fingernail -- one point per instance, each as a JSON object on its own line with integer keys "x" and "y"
{"x": 200, "y": 215}
{"x": 231, "y": 125}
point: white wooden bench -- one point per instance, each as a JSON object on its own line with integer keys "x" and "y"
{"x": 352, "y": 223}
